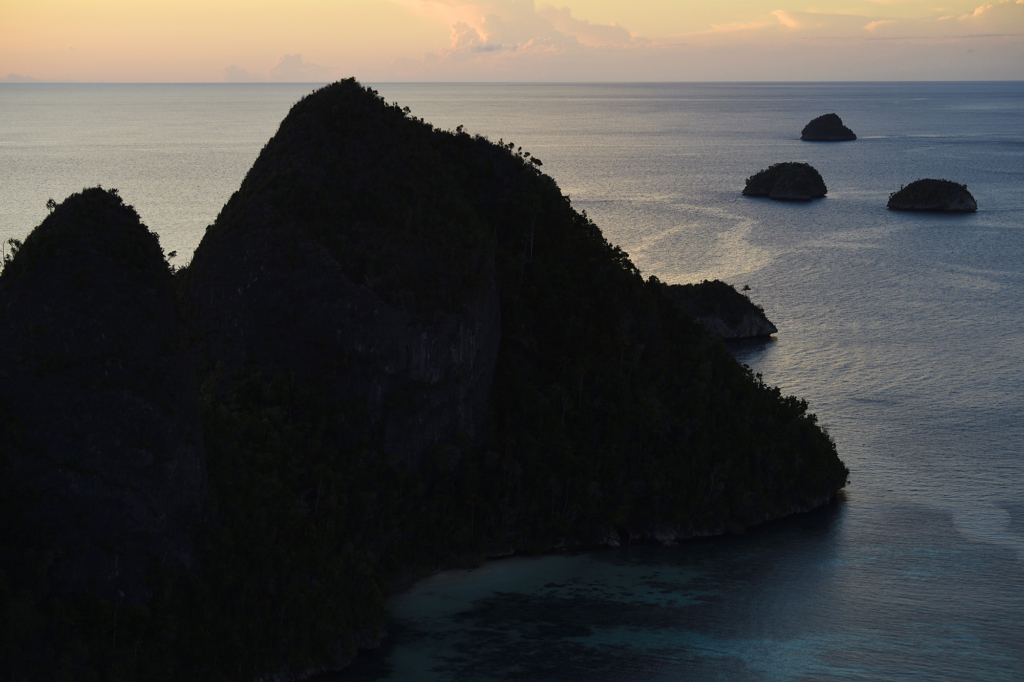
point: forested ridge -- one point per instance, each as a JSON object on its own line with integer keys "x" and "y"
{"x": 410, "y": 352}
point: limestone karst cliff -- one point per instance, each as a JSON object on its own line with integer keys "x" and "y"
{"x": 410, "y": 351}
{"x": 349, "y": 259}
{"x": 102, "y": 434}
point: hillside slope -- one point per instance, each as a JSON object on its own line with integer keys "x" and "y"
{"x": 411, "y": 352}
{"x": 599, "y": 412}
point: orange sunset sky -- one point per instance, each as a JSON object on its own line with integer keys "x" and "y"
{"x": 510, "y": 40}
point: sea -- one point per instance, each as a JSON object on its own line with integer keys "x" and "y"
{"x": 905, "y": 332}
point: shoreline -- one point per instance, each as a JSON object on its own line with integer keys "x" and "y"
{"x": 404, "y": 583}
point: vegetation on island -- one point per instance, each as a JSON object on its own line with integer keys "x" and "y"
{"x": 101, "y": 462}
{"x": 722, "y": 310}
{"x": 789, "y": 181}
{"x": 827, "y": 128}
{"x": 933, "y": 195}
{"x": 409, "y": 352}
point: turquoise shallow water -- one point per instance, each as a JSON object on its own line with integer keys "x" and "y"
{"x": 824, "y": 596}
{"x": 905, "y": 333}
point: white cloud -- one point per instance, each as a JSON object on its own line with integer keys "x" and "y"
{"x": 785, "y": 19}
{"x": 1004, "y": 18}
{"x": 736, "y": 26}
{"x": 236, "y": 74}
{"x": 291, "y": 69}
{"x": 516, "y": 25}
{"x": 494, "y": 25}
{"x": 15, "y": 78}
{"x": 586, "y": 33}
{"x": 509, "y": 40}
{"x": 978, "y": 12}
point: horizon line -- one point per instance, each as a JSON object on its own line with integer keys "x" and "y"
{"x": 516, "y": 82}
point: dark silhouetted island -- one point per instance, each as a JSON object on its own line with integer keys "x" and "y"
{"x": 722, "y": 310}
{"x": 397, "y": 349}
{"x": 98, "y": 390}
{"x": 827, "y": 128}
{"x": 790, "y": 181}
{"x": 942, "y": 196}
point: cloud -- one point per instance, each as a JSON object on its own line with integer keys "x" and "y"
{"x": 289, "y": 69}
{"x": 292, "y": 69}
{"x": 236, "y": 74}
{"x": 978, "y": 12}
{"x": 15, "y": 78}
{"x": 735, "y": 26}
{"x": 487, "y": 25}
{"x": 516, "y": 40}
{"x": 1001, "y": 19}
{"x": 499, "y": 26}
{"x": 786, "y": 19}
{"x": 586, "y": 33}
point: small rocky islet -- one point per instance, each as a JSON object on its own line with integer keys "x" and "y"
{"x": 788, "y": 181}
{"x": 100, "y": 414}
{"x": 931, "y": 195}
{"x": 827, "y": 128}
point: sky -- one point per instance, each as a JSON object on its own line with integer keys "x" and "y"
{"x": 510, "y": 40}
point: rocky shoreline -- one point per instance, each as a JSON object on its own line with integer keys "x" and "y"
{"x": 666, "y": 536}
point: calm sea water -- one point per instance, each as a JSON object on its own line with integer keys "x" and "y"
{"x": 905, "y": 333}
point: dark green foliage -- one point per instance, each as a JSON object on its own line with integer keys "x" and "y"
{"x": 10, "y": 250}
{"x": 370, "y": 187}
{"x": 615, "y": 409}
{"x": 99, "y": 222}
{"x": 827, "y": 128}
{"x": 611, "y": 412}
{"x": 47, "y": 634}
{"x": 715, "y": 299}
{"x": 289, "y": 580}
{"x": 100, "y": 457}
{"x": 787, "y": 181}
{"x": 933, "y": 195}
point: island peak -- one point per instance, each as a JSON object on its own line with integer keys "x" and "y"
{"x": 396, "y": 347}
{"x": 788, "y": 181}
{"x": 943, "y": 196}
{"x": 827, "y": 128}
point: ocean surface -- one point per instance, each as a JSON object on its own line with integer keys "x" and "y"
{"x": 905, "y": 332}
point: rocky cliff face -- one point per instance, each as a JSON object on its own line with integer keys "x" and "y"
{"x": 97, "y": 385}
{"x": 350, "y": 260}
{"x": 722, "y": 310}
{"x": 750, "y": 326}
{"x": 941, "y": 196}
{"x": 411, "y": 348}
